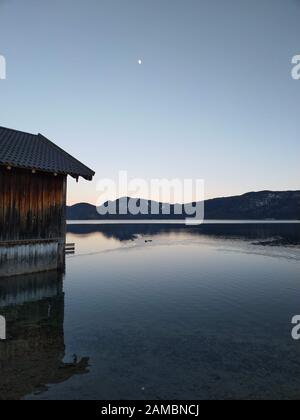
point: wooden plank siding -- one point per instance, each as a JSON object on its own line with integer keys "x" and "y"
{"x": 32, "y": 206}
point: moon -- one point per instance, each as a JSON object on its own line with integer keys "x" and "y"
{"x": 140, "y": 62}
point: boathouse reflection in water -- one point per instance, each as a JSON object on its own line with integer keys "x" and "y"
{"x": 32, "y": 355}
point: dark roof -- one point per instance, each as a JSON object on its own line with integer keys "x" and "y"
{"x": 30, "y": 151}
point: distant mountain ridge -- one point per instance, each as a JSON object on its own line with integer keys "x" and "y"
{"x": 263, "y": 205}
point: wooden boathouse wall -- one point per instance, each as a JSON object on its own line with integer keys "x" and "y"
{"x": 32, "y": 206}
{"x": 32, "y": 221}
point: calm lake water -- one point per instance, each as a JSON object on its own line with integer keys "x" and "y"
{"x": 146, "y": 312}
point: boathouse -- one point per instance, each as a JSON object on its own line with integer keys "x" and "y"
{"x": 33, "y": 186}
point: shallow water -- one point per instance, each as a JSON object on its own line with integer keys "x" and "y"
{"x": 147, "y": 312}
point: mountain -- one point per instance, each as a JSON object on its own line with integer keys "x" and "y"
{"x": 82, "y": 211}
{"x": 283, "y": 205}
{"x": 263, "y": 205}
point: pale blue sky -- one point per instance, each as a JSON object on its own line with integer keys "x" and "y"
{"x": 213, "y": 99}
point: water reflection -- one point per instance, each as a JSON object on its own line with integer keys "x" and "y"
{"x": 32, "y": 355}
{"x": 163, "y": 312}
{"x": 268, "y": 234}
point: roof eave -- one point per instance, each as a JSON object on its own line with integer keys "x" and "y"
{"x": 26, "y": 168}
